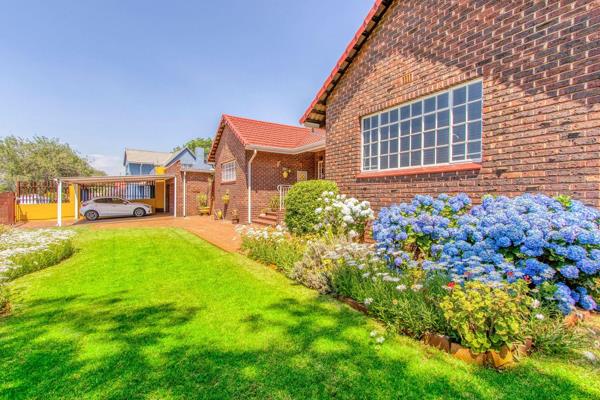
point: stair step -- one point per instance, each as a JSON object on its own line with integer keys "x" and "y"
{"x": 269, "y": 217}
{"x": 274, "y": 213}
{"x": 264, "y": 221}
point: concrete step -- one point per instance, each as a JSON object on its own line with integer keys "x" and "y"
{"x": 265, "y": 221}
{"x": 269, "y": 217}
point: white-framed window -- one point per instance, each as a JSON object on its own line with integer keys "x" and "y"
{"x": 321, "y": 169}
{"x": 439, "y": 129}
{"x": 228, "y": 171}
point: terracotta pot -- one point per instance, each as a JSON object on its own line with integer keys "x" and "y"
{"x": 440, "y": 342}
{"x": 466, "y": 355}
{"x": 500, "y": 359}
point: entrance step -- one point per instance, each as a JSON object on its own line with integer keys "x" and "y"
{"x": 266, "y": 220}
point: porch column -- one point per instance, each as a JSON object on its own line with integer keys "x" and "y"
{"x": 59, "y": 204}
{"x": 76, "y": 201}
{"x": 175, "y": 198}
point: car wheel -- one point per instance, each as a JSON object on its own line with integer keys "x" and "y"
{"x": 91, "y": 215}
{"x": 139, "y": 212}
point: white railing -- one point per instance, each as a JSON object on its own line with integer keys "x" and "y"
{"x": 283, "y": 191}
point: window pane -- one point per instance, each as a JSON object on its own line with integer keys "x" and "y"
{"x": 374, "y": 162}
{"x": 366, "y": 163}
{"x": 393, "y": 131}
{"x": 404, "y": 159}
{"x": 415, "y": 142}
{"x": 366, "y": 123}
{"x": 394, "y": 115}
{"x": 459, "y": 96}
{"x": 405, "y": 143}
{"x": 443, "y": 118}
{"x": 458, "y": 114}
{"x": 474, "y": 149}
{"x": 366, "y": 137}
{"x": 384, "y": 147}
{"x": 475, "y": 130}
{"x": 429, "y": 104}
{"x": 429, "y": 122}
{"x": 415, "y": 125}
{"x": 394, "y": 146}
{"x": 405, "y": 128}
{"x": 442, "y": 155}
{"x": 429, "y": 139}
{"x": 459, "y": 133}
{"x": 442, "y": 100}
{"x": 384, "y": 118}
{"x": 458, "y": 152}
{"x": 374, "y": 121}
{"x": 474, "y": 111}
{"x": 475, "y": 91}
{"x": 374, "y": 136}
{"x": 394, "y": 161}
{"x": 383, "y": 162}
{"x": 416, "y": 108}
{"x": 405, "y": 112}
{"x": 374, "y": 151}
{"x": 384, "y": 133}
{"x": 443, "y": 136}
{"x": 366, "y": 152}
{"x": 428, "y": 157}
{"x": 415, "y": 157}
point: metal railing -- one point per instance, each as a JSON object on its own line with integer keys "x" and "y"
{"x": 40, "y": 192}
{"x": 125, "y": 190}
{"x": 283, "y": 191}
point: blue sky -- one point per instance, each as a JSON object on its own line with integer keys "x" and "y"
{"x": 103, "y": 75}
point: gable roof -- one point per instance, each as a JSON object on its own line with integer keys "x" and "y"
{"x": 176, "y": 154}
{"x": 146, "y": 157}
{"x": 269, "y": 136}
{"x": 316, "y": 112}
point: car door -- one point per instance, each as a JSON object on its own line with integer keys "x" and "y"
{"x": 121, "y": 207}
{"x": 103, "y": 207}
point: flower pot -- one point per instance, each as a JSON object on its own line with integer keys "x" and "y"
{"x": 440, "y": 342}
{"x": 500, "y": 359}
{"x": 466, "y": 355}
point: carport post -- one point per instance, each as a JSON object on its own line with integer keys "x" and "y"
{"x": 175, "y": 199}
{"x": 76, "y": 194}
{"x": 59, "y": 203}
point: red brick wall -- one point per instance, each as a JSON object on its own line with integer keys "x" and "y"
{"x": 230, "y": 148}
{"x": 195, "y": 183}
{"x": 267, "y": 169}
{"x": 540, "y": 65}
{"x": 7, "y": 208}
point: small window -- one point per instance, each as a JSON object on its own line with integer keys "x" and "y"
{"x": 228, "y": 171}
{"x": 441, "y": 128}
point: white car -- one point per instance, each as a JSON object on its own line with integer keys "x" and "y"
{"x": 102, "y": 207}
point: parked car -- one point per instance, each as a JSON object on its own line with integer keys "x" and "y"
{"x": 102, "y": 207}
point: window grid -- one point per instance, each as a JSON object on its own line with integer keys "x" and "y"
{"x": 439, "y": 129}
{"x": 228, "y": 171}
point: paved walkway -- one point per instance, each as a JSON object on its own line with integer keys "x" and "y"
{"x": 220, "y": 233}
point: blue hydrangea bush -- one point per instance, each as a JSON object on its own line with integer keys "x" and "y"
{"x": 548, "y": 242}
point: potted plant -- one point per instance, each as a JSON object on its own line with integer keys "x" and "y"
{"x": 235, "y": 216}
{"x": 202, "y": 200}
{"x": 219, "y": 214}
{"x": 226, "y": 197}
{"x": 274, "y": 203}
{"x": 285, "y": 172}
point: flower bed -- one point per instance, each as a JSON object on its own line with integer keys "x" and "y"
{"x": 273, "y": 246}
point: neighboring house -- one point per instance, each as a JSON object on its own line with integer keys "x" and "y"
{"x": 467, "y": 96}
{"x": 257, "y": 161}
{"x": 143, "y": 162}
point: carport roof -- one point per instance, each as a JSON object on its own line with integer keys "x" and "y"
{"x": 104, "y": 179}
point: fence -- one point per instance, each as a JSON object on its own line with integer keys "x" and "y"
{"x": 126, "y": 190}
{"x": 7, "y": 208}
{"x": 43, "y": 192}
{"x": 283, "y": 191}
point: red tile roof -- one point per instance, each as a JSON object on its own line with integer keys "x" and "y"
{"x": 316, "y": 111}
{"x": 271, "y": 135}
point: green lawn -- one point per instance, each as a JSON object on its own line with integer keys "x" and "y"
{"x": 158, "y": 313}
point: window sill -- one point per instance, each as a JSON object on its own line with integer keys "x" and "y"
{"x": 421, "y": 170}
{"x": 228, "y": 182}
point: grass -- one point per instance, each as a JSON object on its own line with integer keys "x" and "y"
{"x": 161, "y": 314}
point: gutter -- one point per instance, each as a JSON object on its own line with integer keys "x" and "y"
{"x": 249, "y": 173}
{"x": 320, "y": 145}
{"x": 184, "y": 193}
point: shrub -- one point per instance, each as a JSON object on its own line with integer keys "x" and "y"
{"x": 25, "y": 251}
{"x": 549, "y": 333}
{"x": 202, "y": 200}
{"x": 485, "y": 317}
{"x": 4, "y": 299}
{"x": 272, "y": 246}
{"x": 531, "y": 237}
{"x": 301, "y": 202}
{"x": 274, "y": 203}
{"x": 343, "y": 215}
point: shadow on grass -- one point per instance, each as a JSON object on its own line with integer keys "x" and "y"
{"x": 105, "y": 347}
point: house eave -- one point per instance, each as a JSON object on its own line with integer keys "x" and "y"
{"x": 317, "y": 146}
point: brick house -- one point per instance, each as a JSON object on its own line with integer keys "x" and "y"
{"x": 256, "y": 161}
{"x": 499, "y": 97}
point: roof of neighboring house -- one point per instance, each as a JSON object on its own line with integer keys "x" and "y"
{"x": 146, "y": 157}
{"x": 176, "y": 154}
{"x": 316, "y": 112}
{"x": 268, "y": 136}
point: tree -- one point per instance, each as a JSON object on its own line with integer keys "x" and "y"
{"x": 205, "y": 143}
{"x": 40, "y": 159}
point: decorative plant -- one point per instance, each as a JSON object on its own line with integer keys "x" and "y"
{"x": 485, "y": 317}
{"x": 202, "y": 200}
{"x": 301, "y": 202}
{"x": 343, "y": 215}
{"x": 219, "y": 214}
{"x": 274, "y": 203}
{"x": 235, "y": 216}
{"x": 285, "y": 172}
{"x": 226, "y": 198}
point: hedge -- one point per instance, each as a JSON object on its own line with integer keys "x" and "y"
{"x": 302, "y": 201}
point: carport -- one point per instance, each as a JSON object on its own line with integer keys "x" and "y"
{"x": 118, "y": 186}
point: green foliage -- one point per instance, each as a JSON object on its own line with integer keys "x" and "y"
{"x": 487, "y": 318}
{"x": 202, "y": 200}
{"x": 302, "y": 201}
{"x": 40, "y": 159}
{"x": 274, "y": 203}
{"x": 550, "y": 335}
{"x": 4, "y": 299}
{"x": 272, "y": 246}
{"x": 205, "y": 143}
{"x": 31, "y": 262}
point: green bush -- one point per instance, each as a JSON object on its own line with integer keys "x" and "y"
{"x": 272, "y": 246}
{"x": 302, "y": 201}
{"x": 4, "y": 299}
{"x": 487, "y": 318}
{"x": 550, "y": 335}
{"x": 31, "y": 262}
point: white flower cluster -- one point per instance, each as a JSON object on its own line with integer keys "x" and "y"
{"x": 276, "y": 234}
{"x": 343, "y": 215}
{"x": 20, "y": 242}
